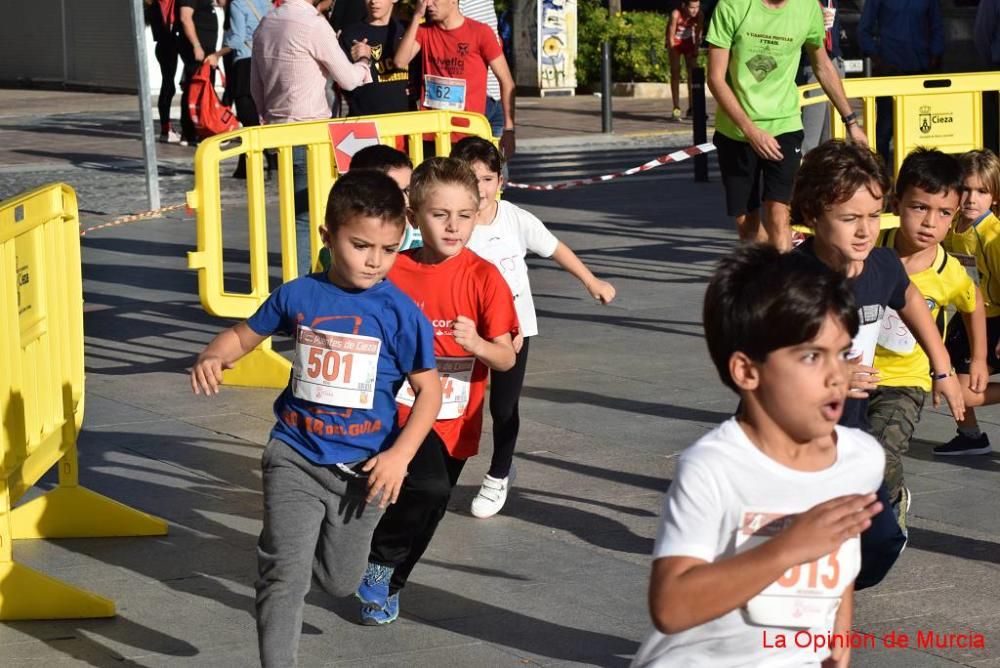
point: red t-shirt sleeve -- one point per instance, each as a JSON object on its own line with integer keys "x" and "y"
{"x": 422, "y": 36}
{"x": 489, "y": 45}
{"x": 496, "y": 305}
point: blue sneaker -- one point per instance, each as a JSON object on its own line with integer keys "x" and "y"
{"x": 374, "y": 587}
{"x": 374, "y": 615}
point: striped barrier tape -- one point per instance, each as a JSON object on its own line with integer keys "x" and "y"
{"x": 676, "y": 156}
{"x": 133, "y": 218}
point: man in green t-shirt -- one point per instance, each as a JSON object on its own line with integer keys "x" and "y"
{"x": 753, "y": 56}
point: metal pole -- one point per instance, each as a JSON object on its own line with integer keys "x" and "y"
{"x": 700, "y": 126}
{"x": 145, "y": 106}
{"x": 605, "y": 87}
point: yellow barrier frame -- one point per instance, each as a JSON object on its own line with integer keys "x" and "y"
{"x": 264, "y": 367}
{"x": 41, "y": 400}
{"x": 942, "y": 111}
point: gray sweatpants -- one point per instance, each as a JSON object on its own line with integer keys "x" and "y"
{"x": 316, "y": 523}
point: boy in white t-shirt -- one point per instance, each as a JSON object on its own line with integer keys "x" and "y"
{"x": 758, "y": 548}
{"x": 504, "y": 234}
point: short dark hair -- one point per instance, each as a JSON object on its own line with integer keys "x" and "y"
{"x": 435, "y": 171}
{"x": 380, "y": 157}
{"x": 930, "y": 170}
{"x": 365, "y": 192}
{"x": 760, "y": 300}
{"x": 477, "y": 149}
{"x": 830, "y": 174}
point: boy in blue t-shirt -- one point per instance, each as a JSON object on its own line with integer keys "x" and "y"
{"x": 336, "y": 457}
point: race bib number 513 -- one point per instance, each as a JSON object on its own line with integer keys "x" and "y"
{"x": 335, "y": 369}
{"x": 806, "y": 595}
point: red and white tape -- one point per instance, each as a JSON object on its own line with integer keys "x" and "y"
{"x": 676, "y": 156}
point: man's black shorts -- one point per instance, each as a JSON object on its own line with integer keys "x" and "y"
{"x": 959, "y": 349}
{"x": 742, "y": 169}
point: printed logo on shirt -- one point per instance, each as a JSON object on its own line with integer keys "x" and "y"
{"x": 871, "y": 314}
{"x": 761, "y": 65}
{"x": 463, "y": 48}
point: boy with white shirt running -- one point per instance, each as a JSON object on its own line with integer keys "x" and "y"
{"x": 758, "y": 546}
{"x": 504, "y": 234}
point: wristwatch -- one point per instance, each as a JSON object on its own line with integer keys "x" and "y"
{"x": 850, "y": 119}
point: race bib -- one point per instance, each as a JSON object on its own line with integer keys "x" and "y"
{"x": 863, "y": 344}
{"x": 335, "y": 369}
{"x": 807, "y": 595}
{"x": 894, "y": 335}
{"x": 456, "y": 381}
{"x": 444, "y": 93}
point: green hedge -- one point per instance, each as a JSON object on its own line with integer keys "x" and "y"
{"x": 637, "y": 52}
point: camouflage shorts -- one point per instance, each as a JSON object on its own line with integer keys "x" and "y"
{"x": 893, "y": 413}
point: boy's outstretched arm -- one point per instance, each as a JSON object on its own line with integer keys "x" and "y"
{"x": 975, "y": 326}
{"x": 223, "y": 351}
{"x": 600, "y": 290}
{"x": 917, "y": 318}
{"x": 685, "y": 592}
{"x": 497, "y": 354}
{"x": 387, "y": 469}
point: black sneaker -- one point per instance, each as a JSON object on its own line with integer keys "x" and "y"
{"x": 965, "y": 445}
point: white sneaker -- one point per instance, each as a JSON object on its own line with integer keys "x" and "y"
{"x": 492, "y": 495}
{"x": 170, "y": 138}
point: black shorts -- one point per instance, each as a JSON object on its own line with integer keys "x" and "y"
{"x": 959, "y": 350}
{"x": 742, "y": 168}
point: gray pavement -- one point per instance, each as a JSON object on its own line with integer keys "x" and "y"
{"x": 612, "y": 395}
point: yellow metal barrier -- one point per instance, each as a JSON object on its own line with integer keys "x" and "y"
{"x": 41, "y": 400}
{"x": 264, "y": 367}
{"x": 939, "y": 111}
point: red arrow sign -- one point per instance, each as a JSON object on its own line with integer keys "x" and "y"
{"x": 348, "y": 139}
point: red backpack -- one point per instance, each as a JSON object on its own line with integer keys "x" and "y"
{"x": 209, "y": 115}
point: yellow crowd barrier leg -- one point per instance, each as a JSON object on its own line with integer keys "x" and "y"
{"x": 27, "y": 594}
{"x": 261, "y": 367}
{"x": 71, "y": 511}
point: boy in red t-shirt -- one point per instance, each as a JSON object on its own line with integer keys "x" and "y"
{"x": 455, "y": 54}
{"x": 472, "y": 311}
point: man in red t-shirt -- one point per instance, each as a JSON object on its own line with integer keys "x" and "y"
{"x": 455, "y": 54}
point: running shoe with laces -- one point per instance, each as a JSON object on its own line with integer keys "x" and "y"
{"x": 373, "y": 614}
{"x": 676, "y": 114}
{"x": 964, "y": 445}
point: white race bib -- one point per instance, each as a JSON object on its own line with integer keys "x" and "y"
{"x": 805, "y": 596}
{"x": 894, "y": 335}
{"x": 456, "y": 382}
{"x": 863, "y": 344}
{"x": 335, "y": 369}
{"x": 444, "y": 93}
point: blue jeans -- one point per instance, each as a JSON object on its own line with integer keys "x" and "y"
{"x": 300, "y": 176}
{"x": 494, "y": 113}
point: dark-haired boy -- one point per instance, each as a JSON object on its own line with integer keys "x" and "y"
{"x": 336, "y": 457}
{"x": 928, "y": 190}
{"x": 376, "y": 38}
{"x": 397, "y": 166}
{"x": 759, "y": 538}
{"x": 840, "y": 192}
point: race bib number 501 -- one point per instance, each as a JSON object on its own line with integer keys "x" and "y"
{"x": 806, "y": 595}
{"x": 335, "y": 369}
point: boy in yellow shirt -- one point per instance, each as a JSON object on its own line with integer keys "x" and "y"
{"x": 927, "y": 195}
{"x": 975, "y": 241}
